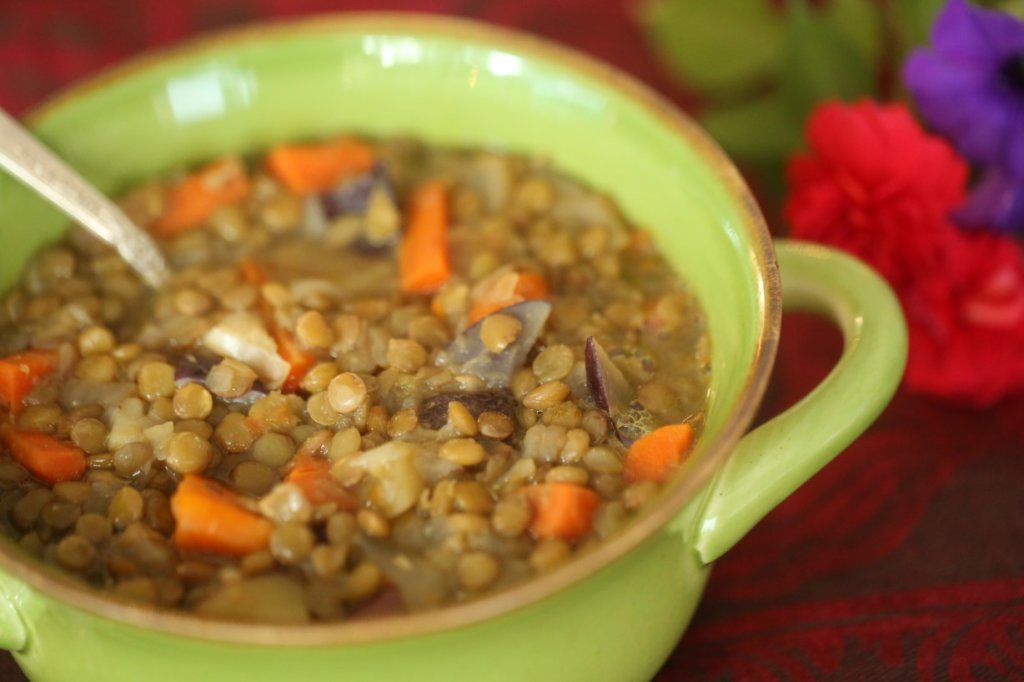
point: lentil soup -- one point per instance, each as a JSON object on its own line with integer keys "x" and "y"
{"x": 384, "y": 377}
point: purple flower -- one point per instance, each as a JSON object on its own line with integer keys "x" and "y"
{"x": 969, "y": 84}
{"x": 996, "y": 201}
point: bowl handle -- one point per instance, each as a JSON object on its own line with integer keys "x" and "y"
{"x": 13, "y": 633}
{"x": 776, "y": 458}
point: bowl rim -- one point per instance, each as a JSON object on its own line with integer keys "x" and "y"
{"x": 762, "y": 258}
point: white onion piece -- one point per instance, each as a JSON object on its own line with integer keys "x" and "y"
{"x": 242, "y": 336}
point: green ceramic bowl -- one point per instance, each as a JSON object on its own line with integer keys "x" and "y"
{"x": 615, "y": 613}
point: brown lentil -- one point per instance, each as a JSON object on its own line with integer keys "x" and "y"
{"x": 567, "y": 474}
{"x": 346, "y": 393}
{"x": 90, "y": 435}
{"x": 319, "y": 377}
{"x": 253, "y": 478}
{"x": 372, "y": 523}
{"x": 344, "y": 443}
{"x": 233, "y": 433}
{"x": 460, "y": 419}
{"x": 155, "y": 380}
{"x": 75, "y": 553}
{"x": 312, "y": 331}
{"x": 230, "y": 379}
{"x": 187, "y": 453}
{"x": 27, "y": 509}
{"x": 192, "y": 401}
{"x": 553, "y": 363}
{"x": 96, "y": 340}
{"x": 495, "y": 425}
{"x": 273, "y": 449}
{"x": 126, "y": 507}
{"x": 546, "y": 395}
{"x": 465, "y": 452}
{"x": 340, "y": 528}
{"x": 93, "y": 527}
{"x": 498, "y": 331}
{"x": 39, "y": 418}
{"x": 132, "y": 459}
{"x": 291, "y": 543}
{"x": 548, "y": 554}
{"x": 512, "y": 514}
{"x": 327, "y": 560}
{"x": 477, "y": 570}
{"x": 406, "y": 355}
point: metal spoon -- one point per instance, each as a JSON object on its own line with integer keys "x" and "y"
{"x": 24, "y": 157}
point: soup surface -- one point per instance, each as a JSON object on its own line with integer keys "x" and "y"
{"x": 384, "y": 377}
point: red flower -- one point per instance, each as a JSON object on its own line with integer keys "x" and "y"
{"x": 876, "y": 185}
{"x": 967, "y": 322}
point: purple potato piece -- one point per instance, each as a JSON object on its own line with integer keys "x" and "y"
{"x": 433, "y": 412}
{"x": 192, "y": 369}
{"x": 608, "y": 386}
{"x": 353, "y": 195}
{"x": 468, "y": 354}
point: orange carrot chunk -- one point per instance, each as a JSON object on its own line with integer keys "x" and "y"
{"x": 562, "y": 511}
{"x": 252, "y": 272}
{"x": 192, "y": 200}
{"x": 19, "y": 373}
{"x": 423, "y": 264}
{"x": 505, "y": 290}
{"x": 48, "y": 458}
{"x": 300, "y": 359}
{"x": 307, "y": 168}
{"x": 208, "y": 518}
{"x": 313, "y": 477}
{"x": 654, "y": 456}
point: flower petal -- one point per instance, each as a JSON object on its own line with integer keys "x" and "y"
{"x": 996, "y": 201}
{"x": 962, "y": 32}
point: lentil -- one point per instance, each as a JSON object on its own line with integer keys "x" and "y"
{"x": 312, "y": 331}
{"x": 155, "y": 380}
{"x": 546, "y": 395}
{"x": 498, "y": 331}
{"x": 346, "y": 392}
{"x": 75, "y": 553}
{"x": 192, "y": 401}
{"x": 187, "y": 453}
{"x": 291, "y": 543}
{"x": 465, "y": 452}
{"x": 477, "y": 570}
{"x": 273, "y": 449}
{"x": 230, "y": 379}
{"x": 96, "y": 340}
{"x": 406, "y": 355}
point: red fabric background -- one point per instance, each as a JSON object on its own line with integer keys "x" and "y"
{"x": 903, "y": 559}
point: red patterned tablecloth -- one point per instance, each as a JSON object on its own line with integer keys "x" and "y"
{"x": 903, "y": 559}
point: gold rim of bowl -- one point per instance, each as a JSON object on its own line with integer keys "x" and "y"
{"x": 672, "y": 501}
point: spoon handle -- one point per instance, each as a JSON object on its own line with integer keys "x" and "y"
{"x": 28, "y": 160}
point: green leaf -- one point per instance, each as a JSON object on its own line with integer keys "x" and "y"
{"x": 1014, "y": 7}
{"x": 758, "y": 131}
{"x": 915, "y": 19}
{"x": 716, "y": 46}
{"x": 861, "y": 23}
{"x": 819, "y": 62}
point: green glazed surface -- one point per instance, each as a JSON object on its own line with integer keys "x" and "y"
{"x": 448, "y": 84}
